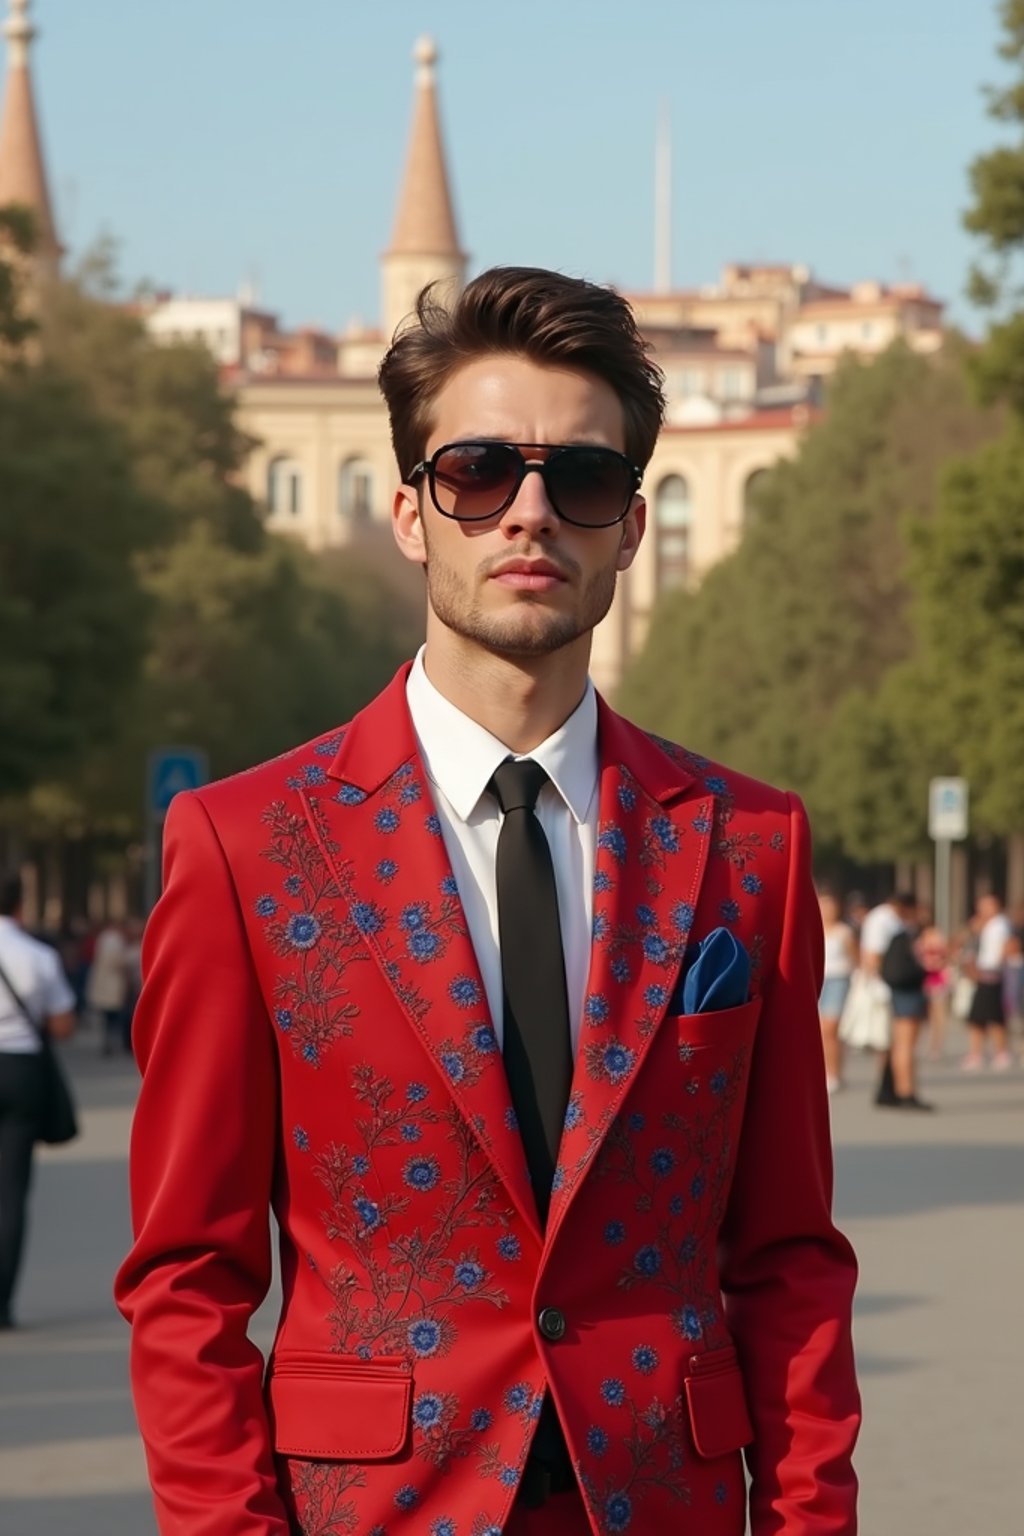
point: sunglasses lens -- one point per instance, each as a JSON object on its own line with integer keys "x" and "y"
{"x": 472, "y": 480}
{"x": 591, "y": 486}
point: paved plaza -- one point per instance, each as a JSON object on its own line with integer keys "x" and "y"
{"x": 932, "y": 1203}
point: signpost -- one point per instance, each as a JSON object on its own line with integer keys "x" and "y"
{"x": 169, "y": 770}
{"x": 947, "y": 824}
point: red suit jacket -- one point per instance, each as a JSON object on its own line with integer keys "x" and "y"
{"x": 313, "y": 1036}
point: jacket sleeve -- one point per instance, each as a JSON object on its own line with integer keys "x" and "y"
{"x": 787, "y": 1274}
{"x": 202, "y": 1161}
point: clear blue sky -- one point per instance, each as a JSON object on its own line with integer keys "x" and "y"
{"x": 220, "y": 138}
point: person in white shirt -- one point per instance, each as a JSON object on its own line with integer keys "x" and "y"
{"x": 987, "y": 1014}
{"x": 840, "y": 960}
{"x": 897, "y": 1084}
{"x": 32, "y": 972}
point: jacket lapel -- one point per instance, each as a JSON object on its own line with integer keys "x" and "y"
{"x": 377, "y": 828}
{"x": 654, "y": 832}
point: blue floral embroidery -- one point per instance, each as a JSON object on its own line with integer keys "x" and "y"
{"x": 613, "y": 1391}
{"x": 265, "y": 906}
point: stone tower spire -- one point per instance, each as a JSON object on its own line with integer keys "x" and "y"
{"x": 424, "y": 243}
{"x": 22, "y": 167}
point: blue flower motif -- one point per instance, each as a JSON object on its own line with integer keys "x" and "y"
{"x": 484, "y": 1040}
{"x": 617, "y": 1060}
{"x": 601, "y": 927}
{"x": 427, "y": 1410}
{"x": 453, "y": 1065}
{"x": 350, "y": 794}
{"x": 596, "y": 1008}
{"x": 721, "y": 1493}
{"x": 311, "y": 1053}
{"x": 424, "y": 1336}
{"x": 508, "y": 1476}
{"x": 469, "y": 1275}
{"x": 620, "y": 969}
{"x": 361, "y": 1164}
{"x": 518, "y": 1397}
{"x": 413, "y": 916}
{"x": 637, "y": 1121}
{"x": 302, "y": 930}
{"x": 557, "y": 1180}
{"x": 421, "y": 1173}
{"x": 449, "y": 886}
{"x": 675, "y": 1205}
{"x": 401, "y": 774}
{"x": 423, "y": 945}
{"x": 410, "y": 1132}
{"x": 602, "y": 881}
{"x": 511, "y": 1123}
{"x": 682, "y": 916}
{"x": 752, "y": 884}
{"x": 613, "y": 841}
{"x": 445, "y": 1526}
{"x": 314, "y": 774}
{"x": 386, "y": 871}
{"x": 573, "y": 1112}
{"x": 433, "y": 826}
{"x": 284, "y": 1019}
{"x": 665, "y": 832}
{"x": 730, "y": 910}
{"x": 627, "y": 797}
{"x": 702, "y": 825}
{"x": 265, "y": 906}
{"x": 656, "y": 996}
{"x": 367, "y": 917}
{"x": 329, "y": 747}
{"x": 688, "y": 1323}
{"x": 597, "y": 1440}
{"x": 508, "y": 1246}
{"x": 645, "y": 1358}
{"x": 646, "y": 916}
{"x": 688, "y": 1250}
{"x": 480, "y": 1419}
{"x": 718, "y": 1081}
{"x": 409, "y": 794}
{"x": 464, "y": 992}
{"x": 655, "y": 948}
{"x": 663, "y": 1160}
{"x": 613, "y": 1391}
{"x": 301, "y": 1138}
{"x": 716, "y": 785}
{"x": 614, "y": 1233}
{"x": 416, "y": 1093}
{"x": 697, "y": 1186}
{"x": 386, "y": 819}
{"x": 407, "y": 1497}
{"x": 618, "y": 1512}
{"x": 368, "y": 1212}
{"x": 647, "y": 1260}
{"x": 293, "y": 884}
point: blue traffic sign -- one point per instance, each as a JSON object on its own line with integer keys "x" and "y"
{"x": 172, "y": 769}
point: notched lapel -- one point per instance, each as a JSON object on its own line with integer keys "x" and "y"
{"x": 652, "y": 849}
{"x": 382, "y": 840}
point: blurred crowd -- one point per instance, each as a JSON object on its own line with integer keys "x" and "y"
{"x": 103, "y": 965}
{"x": 891, "y": 976}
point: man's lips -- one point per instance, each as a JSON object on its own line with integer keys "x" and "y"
{"x": 528, "y": 575}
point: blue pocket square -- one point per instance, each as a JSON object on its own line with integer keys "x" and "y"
{"x": 717, "y": 977}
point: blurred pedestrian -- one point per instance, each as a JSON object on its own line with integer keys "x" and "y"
{"x": 840, "y": 961}
{"x": 106, "y": 990}
{"x": 987, "y": 1014}
{"x": 887, "y": 949}
{"x": 934, "y": 953}
{"x": 34, "y": 995}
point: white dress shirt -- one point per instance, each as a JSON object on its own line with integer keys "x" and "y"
{"x": 36, "y": 974}
{"x": 460, "y": 756}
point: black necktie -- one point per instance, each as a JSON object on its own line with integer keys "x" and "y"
{"x": 537, "y": 1045}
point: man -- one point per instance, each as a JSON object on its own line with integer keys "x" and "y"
{"x": 987, "y": 1014}
{"x": 555, "y": 1244}
{"x": 887, "y": 941}
{"x": 34, "y": 994}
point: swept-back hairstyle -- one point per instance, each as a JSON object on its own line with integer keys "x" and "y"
{"x": 548, "y": 318}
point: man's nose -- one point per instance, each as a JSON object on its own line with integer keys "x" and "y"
{"x": 531, "y": 509}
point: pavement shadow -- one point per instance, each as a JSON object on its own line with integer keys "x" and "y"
{"x": 900, "y": 1180}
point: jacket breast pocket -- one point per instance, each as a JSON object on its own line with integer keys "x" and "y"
{"x": 728, "y": 1028}
{"x": 338, "y": 1407}
{"x": 717, "y": 1404}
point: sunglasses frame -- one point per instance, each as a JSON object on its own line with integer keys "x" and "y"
{"x": 428, "y": 467}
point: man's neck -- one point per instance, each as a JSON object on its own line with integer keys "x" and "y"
{"x": 520, "y": 700}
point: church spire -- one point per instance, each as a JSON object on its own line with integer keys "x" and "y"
{"x": 22, "y": 167}
{"x": 424, "y": 243}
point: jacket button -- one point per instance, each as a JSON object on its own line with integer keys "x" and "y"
{"x": 551, "y": 1323}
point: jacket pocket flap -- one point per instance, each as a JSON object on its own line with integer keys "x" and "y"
{"x": 722, "y": 1026}
{"x": 325, "y": 1408}
{"x": 718, "y": 1407}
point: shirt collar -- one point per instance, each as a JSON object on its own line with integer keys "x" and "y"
{"x": 460, "y": 755}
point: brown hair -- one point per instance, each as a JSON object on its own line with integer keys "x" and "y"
{"x": 548, "y": 318}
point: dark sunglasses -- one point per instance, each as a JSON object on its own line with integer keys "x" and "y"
{"x": 592, "y": 487}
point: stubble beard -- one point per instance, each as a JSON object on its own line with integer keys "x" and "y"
{"x": 527, "y": 629}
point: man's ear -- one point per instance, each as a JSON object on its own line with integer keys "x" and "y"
{"x": 632, "y": 533}
{"x": 407, "y": 524}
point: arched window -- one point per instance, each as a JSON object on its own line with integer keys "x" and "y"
{"x": 673, "y": 520}
{"x": 751, "y": 495}
{"x": 355, "y": 491}
{"x": 284, "y": 486}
